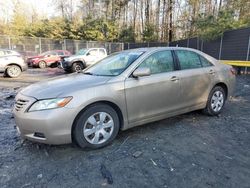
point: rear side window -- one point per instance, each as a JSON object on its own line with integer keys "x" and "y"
{"x": 159, "y": 62}
{"x": 188, "y": 59}
{"x": 102, "y": 52}
{"x": 205, "y": 62}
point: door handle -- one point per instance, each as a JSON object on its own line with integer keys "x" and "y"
{"x": 174, "y": 78}
{"x": 211, "y": 72}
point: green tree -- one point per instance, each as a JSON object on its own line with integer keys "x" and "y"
{"x": 127, "y": 35}
{"x": 149, "y": 34}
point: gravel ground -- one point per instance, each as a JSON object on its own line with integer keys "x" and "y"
{"x": 190, "y": 150}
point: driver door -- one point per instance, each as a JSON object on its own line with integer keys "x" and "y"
{"x": 154, "y": 95}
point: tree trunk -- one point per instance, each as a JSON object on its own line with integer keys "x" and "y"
{"x": 170, "y": 31}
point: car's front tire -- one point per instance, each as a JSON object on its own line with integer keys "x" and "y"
{"x": 77, "y": 67}
{"x": 42, "y": 64}
{"x": 13, "y": 71}
{"x": 216, "y": 101}
{"x": 96, "y": 127}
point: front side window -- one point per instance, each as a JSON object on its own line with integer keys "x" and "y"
{"x": 159, "y": 62}
{"x": 82, "y": 52}
{"x": 114, "y": 64}
{"x": 60, "y": 53}
{"x": 188, "y": 59}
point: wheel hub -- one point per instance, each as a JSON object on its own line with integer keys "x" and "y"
{"x": 98, "y": 128}
{"x": 217, "y": 101}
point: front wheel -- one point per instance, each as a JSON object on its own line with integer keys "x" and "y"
{"x": 42, "y": 64}
{"x": 77, "y": 67}
{"x": 13, "y": 71}
{"x": 96, "y": 127}
{"x": 216, "y": 101}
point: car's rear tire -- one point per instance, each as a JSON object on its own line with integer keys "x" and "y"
{"x": 96, "y": 127}
{"x": 77, "y": 66}
{"x": 13, "y": 71}
{"x": 215, "y": 102}
{"x": 42, "y": 64}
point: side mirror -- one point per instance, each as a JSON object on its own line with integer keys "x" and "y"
{"x": 140, "y": 72}
{"x": 88, "y": 54}
{"x": 48, "y": 55}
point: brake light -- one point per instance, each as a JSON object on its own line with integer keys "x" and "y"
{"x": 233, "y": 71}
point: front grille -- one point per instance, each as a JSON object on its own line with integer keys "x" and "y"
{"x": 20, "y": 103}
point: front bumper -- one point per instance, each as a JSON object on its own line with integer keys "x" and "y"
{"x": 47, "y": 126}
{"x": 64, "y": 64}
{"x": 25, "y": 67}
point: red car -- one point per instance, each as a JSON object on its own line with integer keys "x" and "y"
{"x": 47, "y": 59}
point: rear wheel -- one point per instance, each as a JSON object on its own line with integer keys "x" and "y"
{"x": 76, "y": 67}
{"x": 96, "y": 127}
{"x": 42, "y": 64}
{"x": 13, "y": 71}
{"x": 216, "y": 101}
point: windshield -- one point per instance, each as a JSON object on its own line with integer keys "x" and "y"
{"x": 81, "y": 52}
{"x": 114, "y": 64}
{"x": 45, "y": 53}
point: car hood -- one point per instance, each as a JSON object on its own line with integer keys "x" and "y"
{"x": 63, "y": 85}
{"x": 74, "y": 57}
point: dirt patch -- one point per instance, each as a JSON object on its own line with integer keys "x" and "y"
{"x": 190, "y": 150}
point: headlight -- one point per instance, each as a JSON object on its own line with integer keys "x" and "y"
{"x": 50, "y": 104}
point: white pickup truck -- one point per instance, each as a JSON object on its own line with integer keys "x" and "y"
{"x": 82, "y": 59}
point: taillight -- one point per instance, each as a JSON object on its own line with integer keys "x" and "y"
{"x": 233, "y": 71}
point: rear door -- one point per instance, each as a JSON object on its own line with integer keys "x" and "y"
{"x": 195, "y": 82}
{"x": 154, "y": 95}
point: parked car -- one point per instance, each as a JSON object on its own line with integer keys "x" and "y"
{"x": 46, "y": 59}
{"x": 11, "y": 63}
{"x": 124, "y": 90}
{"x": 82, "y": 59}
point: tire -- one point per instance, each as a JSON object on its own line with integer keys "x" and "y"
{"x": 90, "y": 131}
{"x": 42, "y": 64}
{"x": 215, "y": 102}
{"x": 76, "y": 67}
{"x": 13, "y": 71}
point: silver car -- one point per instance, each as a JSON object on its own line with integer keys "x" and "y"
{"x": 124, "y": 90}
{"x": 11, "y": 63}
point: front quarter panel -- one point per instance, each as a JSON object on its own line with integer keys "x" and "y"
{"x": 110, "y": 92}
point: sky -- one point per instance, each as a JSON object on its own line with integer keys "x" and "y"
{"x": 45, "y": 8}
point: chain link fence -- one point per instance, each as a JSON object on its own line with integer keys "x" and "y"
{"x": 232, "y": 45}
{"x": 39, "y": 45}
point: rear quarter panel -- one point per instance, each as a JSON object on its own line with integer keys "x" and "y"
{"x": 225, "y": 76}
